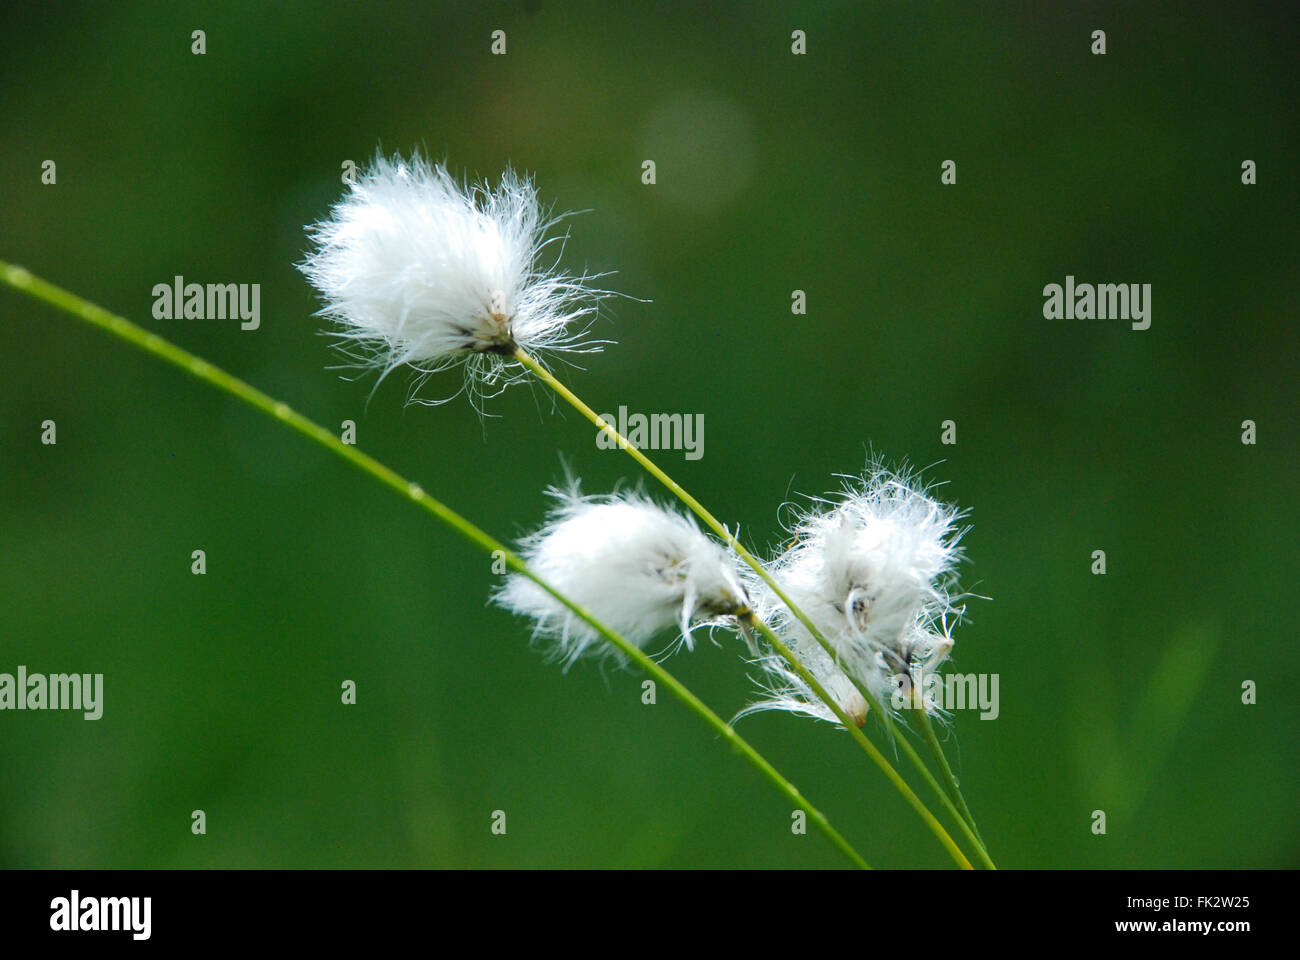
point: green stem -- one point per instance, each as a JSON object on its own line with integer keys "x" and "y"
{"x": 712, "y": 522}
{"x": 928, "y": 734}
{"x": 872, "y": 751}
{"x": 543, "y": 374}
{"x": 976, "y": 843}
{"x": 22, "y": 280}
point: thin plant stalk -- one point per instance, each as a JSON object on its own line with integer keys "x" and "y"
{"x": 548, "y": 378}
{"x": 966, "y": 827}
{"x": 24, "y": 281}
{"x": 928, "y": 734}
{"x": 680, "y": 492}
{"x": 871, "y": 749}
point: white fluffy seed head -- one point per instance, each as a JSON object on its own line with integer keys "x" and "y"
{"x": 874, "y": 563}
{"x": 783, "y": 689}
{"x": 416, "y": 269}
{"x": 637, "y": 567}
{"x": 874, "y": 570}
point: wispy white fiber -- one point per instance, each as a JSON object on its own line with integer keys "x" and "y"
{"x": 416, "y": 269}
{"x": 874, "y": 569}
{"x": 639, "y": 568}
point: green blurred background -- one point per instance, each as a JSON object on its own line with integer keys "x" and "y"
{"x": 775, "y": 172}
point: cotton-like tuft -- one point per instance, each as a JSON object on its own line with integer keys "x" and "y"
{"x": 783, "y": 689}
{"x": 639, "y": 568}
{"x": 416, "y": 269}
{"x": 874, "y": 570}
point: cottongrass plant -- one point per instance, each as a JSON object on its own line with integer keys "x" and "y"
{"x": 24, "y": 281}
{"x": 362, "y": 222}
{"x": 417, "y": 270}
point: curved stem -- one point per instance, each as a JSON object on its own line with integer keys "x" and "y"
{"x": 872, "y": 751}
{"x": 548, "y": 378}
{"x": 22, "y": 280}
